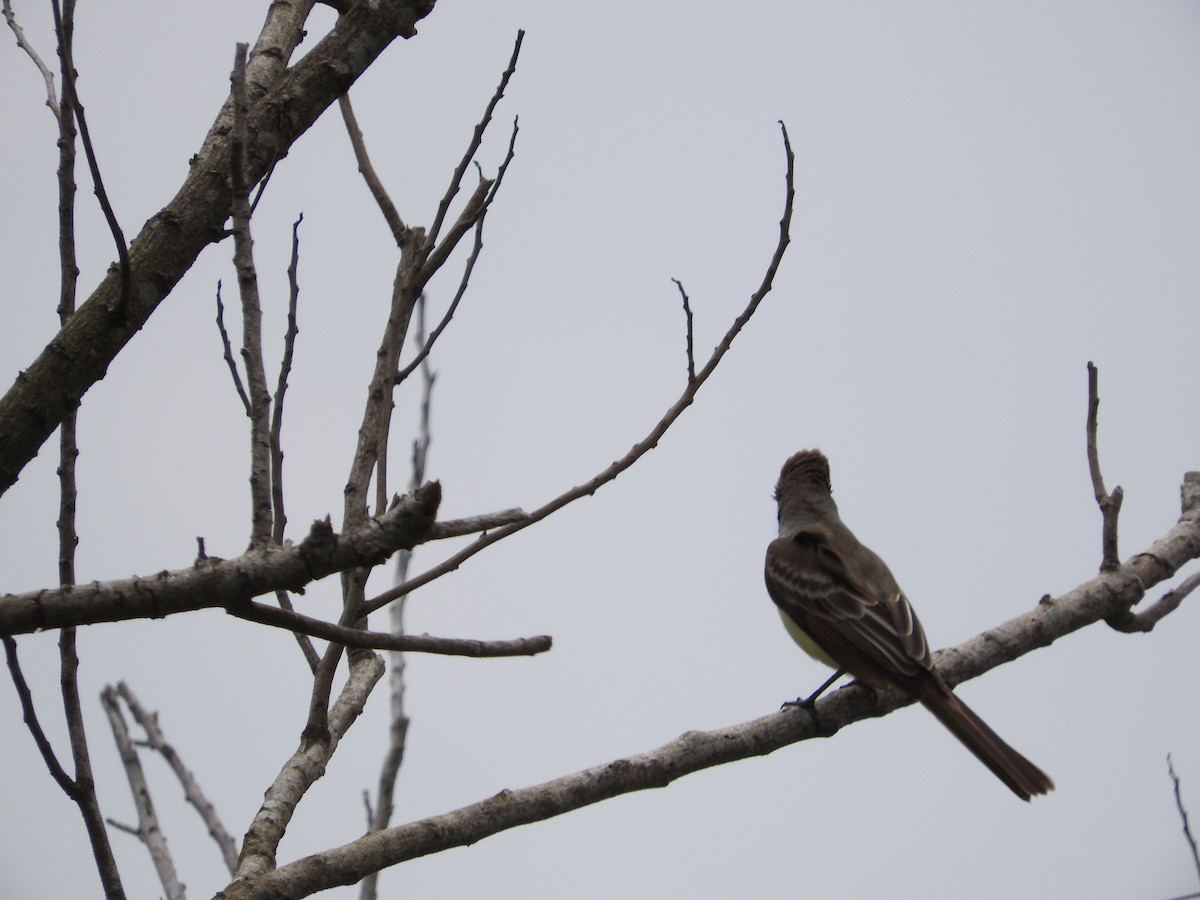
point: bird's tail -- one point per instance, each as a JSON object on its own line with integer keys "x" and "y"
{"x": 1022, "y": 777}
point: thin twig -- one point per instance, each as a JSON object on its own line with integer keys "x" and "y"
{"x": 469, "y": 268}
{"x": 650, "y": 440}
{"x": 374, "y": 184}
{"x": 508, "y": 158}
{"x": 47, "y": 73}
{"x": 229, "y": 360}
{"x": 148, "y": 830}
{"x": 383, "y": 640}
{"x": 476, "y": 140}
{"x": 311, "y": 656}
{"x": 1187, "y": 830}
{"x": 687, "y": 316}
{"x": 427, "y": 345}
{"x": 281, "y": 385}
{"x": 62, "y": 26}
{"x": 1110, "y": 504}
{"x": 156, "y": 741}
{"x": 29, "y": 714}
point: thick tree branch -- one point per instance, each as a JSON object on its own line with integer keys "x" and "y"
{"x": 284, "y": 104}
{"x": 458, "y": 527}
{"x": 304, "y": 767}
{"x": 217, "y": 583}
{"x": 694, "y": 751}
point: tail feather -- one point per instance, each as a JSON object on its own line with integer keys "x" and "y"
{"x": 1022, "y": 777}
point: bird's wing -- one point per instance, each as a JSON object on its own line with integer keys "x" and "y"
{"x": 845, "y": 598}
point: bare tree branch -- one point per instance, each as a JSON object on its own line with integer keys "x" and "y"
{"x": 475, "y": 142}
{"x": 82, "y": 788}
{"x": 62, "y": 26}
{"x": 29, "y": 713}
{"x": 383, "y": 640}
{"x": 306, "y": 646}
{"x": 694, "y": 751}
{"x": 427, "y": 345}
{"x": 247, "y": 275}
{"x": 687, "y": 317}
{"x": 304, "y": 767}
{"x": 228, "y": 353}
{"x": 1110, "y": 504}
{"x": 216, "y": 583}
{"x": 85, "y": 796}
{"x": 281, "y": 385}
{"x": 279, "y": 513}
{"x": 420, "y": 259}
{"x": 398, "y": 721}
{"x": 458, "y": 527}
{"x": 1187, "y": 829}
{"x": 191, "y": 787}
{"x": 284, "y": 104}
{"x": 650, "y": 440}
{"x": 1144, "y": 621}
{"x": 47, "y": 72}
{"x": 148, "y": 830}
{"x": 469, "y": 268}
{"x": 390, "y": 214}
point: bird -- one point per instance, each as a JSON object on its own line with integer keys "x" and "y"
{"x": 840, "y": 602}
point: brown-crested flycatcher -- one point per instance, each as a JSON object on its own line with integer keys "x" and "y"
{"x": 841, "y": 604}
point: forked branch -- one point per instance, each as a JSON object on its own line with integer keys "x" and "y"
{"x": 650, "y": 440}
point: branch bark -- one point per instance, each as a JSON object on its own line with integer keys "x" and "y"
{"x": 219, "y": 583}
{"x": 148, "y": 830}
{"x": 157, "y": 741}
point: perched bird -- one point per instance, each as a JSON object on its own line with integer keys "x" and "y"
{"x": 841, "y": 604}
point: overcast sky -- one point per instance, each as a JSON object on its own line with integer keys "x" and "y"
{"x": 988, "y": 197}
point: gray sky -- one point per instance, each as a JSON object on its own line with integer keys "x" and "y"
{"x": 988, "y": 196}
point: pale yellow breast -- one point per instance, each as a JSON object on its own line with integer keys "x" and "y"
{"x": 807, "y": 644}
